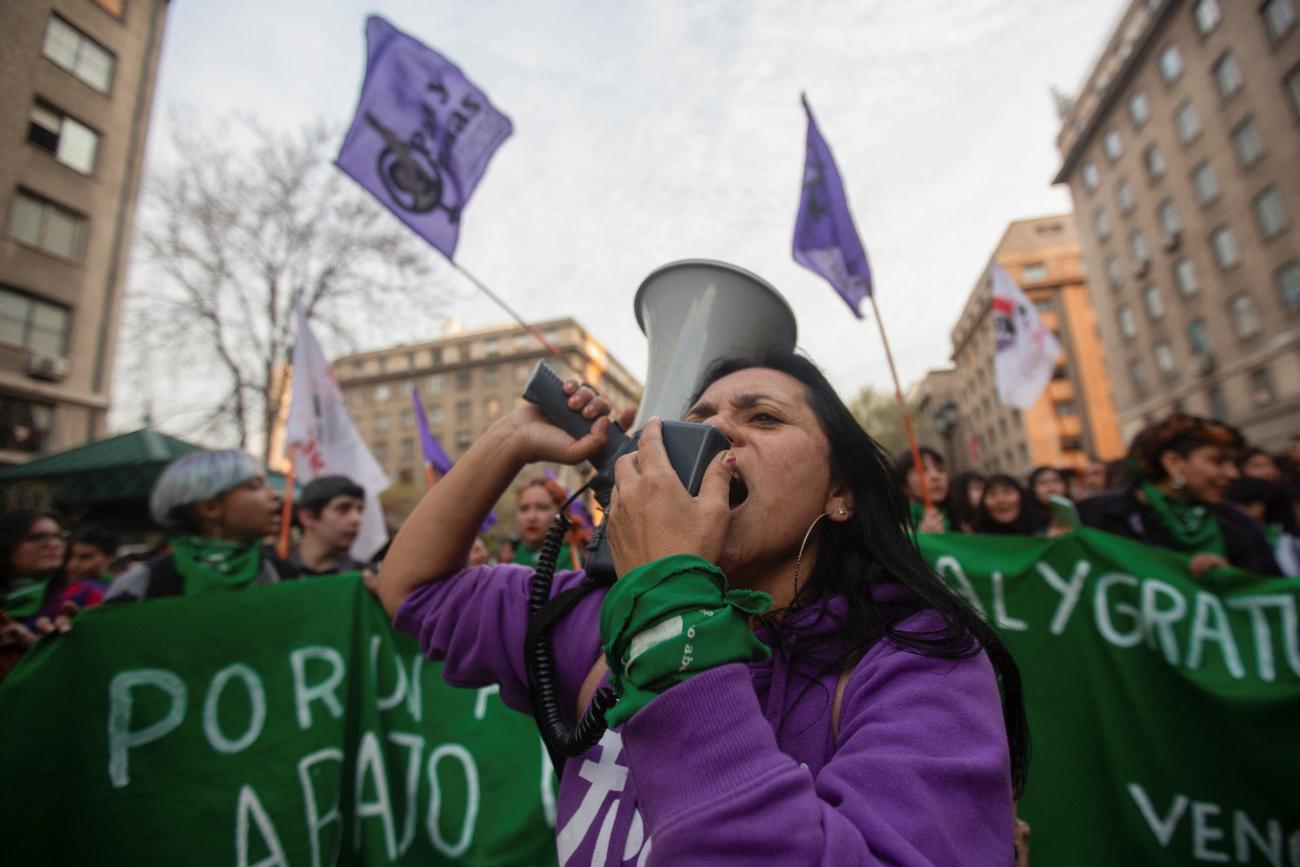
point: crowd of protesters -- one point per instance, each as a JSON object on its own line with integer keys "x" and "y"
{"x": 1188, "y": 484}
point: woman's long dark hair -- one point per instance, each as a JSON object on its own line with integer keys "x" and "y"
{"x": 903, "y": 465}
{"x": 873, "y": 547}
{"x": 14, "y": 527}
{"x": 1023, "y": 525}
{"x": 960, "y": 509}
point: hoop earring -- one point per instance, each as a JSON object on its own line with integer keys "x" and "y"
{"x": 798, "y": 561}
{"x": 1177, "y": 482}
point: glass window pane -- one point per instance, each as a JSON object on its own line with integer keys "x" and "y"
{"x": 62, "y": 233}
{"x": 1245, "y": 138}
{"x": 47, "y": 341}
{"x": 49, "y": 316}
{"x": 61, "y": 43}
{"x": 1225, "y": 247}
{"x": 1171, "y": 64}
{"x": 25, "y": 219}
{"x": 77, "y": 146}
{"x": 95, "y": 66}
{"x": 1288, "y": 283}
{"x": 1280, "y": 16}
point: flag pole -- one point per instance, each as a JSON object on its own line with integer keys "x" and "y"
{"x": 531, "y": 329}
{"x": 428, "y": 474}
{"x": 902, "y": 405}
{"x": 286, "y": 510}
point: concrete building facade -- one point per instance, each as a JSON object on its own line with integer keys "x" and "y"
{"x": 1074, "y": 419}
{"x": 1181, "y": 155}
{"x": 78, "y": 81}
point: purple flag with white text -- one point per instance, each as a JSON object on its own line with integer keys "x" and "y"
{"x": 422, "y": 134}
{"x": 825, "y": 239}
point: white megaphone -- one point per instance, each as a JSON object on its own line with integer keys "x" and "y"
{"x": 695, "y": 312}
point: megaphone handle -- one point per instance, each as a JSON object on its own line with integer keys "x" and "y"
{"x": 546, "y": 389}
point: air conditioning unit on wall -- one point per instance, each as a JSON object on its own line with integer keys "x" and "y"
{"x": 51, "y": 368}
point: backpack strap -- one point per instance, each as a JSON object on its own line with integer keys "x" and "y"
{"x": 836, "y": 702}
{"x": 539, "y": 629}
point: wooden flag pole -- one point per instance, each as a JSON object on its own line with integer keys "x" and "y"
{"x": 902, "y": 405}
{"x": 429, "y": 474}
{"x": 286, "y": 511}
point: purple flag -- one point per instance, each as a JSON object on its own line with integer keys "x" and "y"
{"x": 434, "y": 454}
{"x": 422, "y": 134}
{"x": 825, "y": 239}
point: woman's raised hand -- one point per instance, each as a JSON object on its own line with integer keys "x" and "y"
{"x": 537, "y": 439}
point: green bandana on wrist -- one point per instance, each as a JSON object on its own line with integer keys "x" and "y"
{"x": 669, "y": 620}
{"x": 1193, "y": 527}
{"x": 212, "y": 564}
{"x": 24, "y": 600}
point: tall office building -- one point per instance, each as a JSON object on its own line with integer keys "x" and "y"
{"x": 1181, "y": 154}
{"x": 466, "y": 381}
{"x": 1074, "y": 418}
{"x": 78, "y": 79}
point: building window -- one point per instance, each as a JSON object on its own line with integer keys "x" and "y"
{"x": 434, "y": 414}
{"x": 1187, "y": 121}
{"x": 24, "y": 425}
{"x": 405, "y": 476}
{"x": 1197, "y": 340}
{"x": 1137, "y": 372}
{"x": 491, "y": 375}
{"x": 1270, "y": 212}
{"x": 1124, "y": 196}
{"x": 68, "y": 141}
{"x": 1137, "y": 244}
{"x": 1226, "y": 252}
{"x": 463, "y": 410}
{"x": 1151, "y": 298}
{"x": 433, "y": 384}
{"x": 1127, "y": 324}
{"x": 1279, "y": 18}
{"x": 435, "y": 356}
{"x": 491, "y": 347}
{"x": 1112, "y": 146}
{"x": 1066, "y": 408}
{"x": 1288, "y": 284}
{"x": 1165, "y": 359}
{"x": 1227, "y": 74}
{"x": 1155, "y": 162}
{"x": 464, "y": 439}
{"x": 1090, "y": 177}
{"x": 1205, "y": 183}
{"x": 1113, "y": 275}
{"x": 1207, "y": 15}
{"x": 408, "y": 449}
{"x": 380, "y": 451}
{"x": 492, "y": 407}
{"x": 408, "y": 419}
{"x": 33, "y": 324}
{"x": 79, "y": 54}
{"x": 1218, "y": 406}
{"x": 1247, "y": 143}
{"x": 1045, "y": 304}
{"x": 463, "y": 380}
{"x": 43, "y": 224}
{"x": 380, "y": 421}
{"x": 1185, "y": 278}
{"x": 1262, "y": 392}
{"x": 1171, "y": 63}
{"x": 1167, "y": 214}
{"x": 382, "y": 392}
{"x": 1245, "y": 319}
{"x": 1101, "y": 222}
{"x": 1139, "y": 109}
{"x": 1034, "y": 273}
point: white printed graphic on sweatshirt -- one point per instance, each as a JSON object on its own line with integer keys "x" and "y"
{"x": 605, "y": 777}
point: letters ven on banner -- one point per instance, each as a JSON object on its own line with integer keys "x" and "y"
{"x": 280, "y": 725}
{"x": 1163, "y": 711}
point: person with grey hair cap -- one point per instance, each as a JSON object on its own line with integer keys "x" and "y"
{"x": 217, "y": 508}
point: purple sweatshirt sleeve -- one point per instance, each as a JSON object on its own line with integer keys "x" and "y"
{"x": 483, "y": 613}
{"x": 921, "y": 776}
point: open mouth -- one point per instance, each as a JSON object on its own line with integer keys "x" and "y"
{"x": 738, "y": 492}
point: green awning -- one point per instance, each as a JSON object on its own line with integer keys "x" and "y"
{"x": 122, "y": 467}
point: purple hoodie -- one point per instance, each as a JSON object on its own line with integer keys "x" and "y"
{"x": 738, "y": 766}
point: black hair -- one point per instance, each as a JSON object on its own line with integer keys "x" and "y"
{"x": 1277, "y": 505}
{"x": 1023, "y": 525}
{"x": 14, "y": 527}
{"x": 872, "y": 548}
{"x": 98, "y": 536}
{"x": 903, "y": 465}
{"x": 1244, "y": 456}
{"x": 960, "y": 509}
{"x": 317, "y": 493}
{"x": 1034, "y": 476}
{"x": 1182, "y": 434}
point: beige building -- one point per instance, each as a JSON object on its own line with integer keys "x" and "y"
{"x": 936, "y": 415}
{"x": 1182, "y": 154}
{"x": 466, "y": 381}
{"x": 78, "y": 79}
{"x": 1074, "y": 418}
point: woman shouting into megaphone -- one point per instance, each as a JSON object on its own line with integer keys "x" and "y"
{"x": 795, "y": 686}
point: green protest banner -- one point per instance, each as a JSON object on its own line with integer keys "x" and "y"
{"x": 282, "y": 725}
{"x": 1164, "y": 711}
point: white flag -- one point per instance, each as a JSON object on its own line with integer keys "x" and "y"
{"x": 328, "y": 442}
{"x": 1026, "y": 348}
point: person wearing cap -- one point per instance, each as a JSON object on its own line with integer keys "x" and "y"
{"x": 217, "y": 508}
{"x": 329, "y": 513}
{"x": 1183, "y": 467}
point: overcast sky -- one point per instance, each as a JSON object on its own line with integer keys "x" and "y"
{"x": 652, "y": 131}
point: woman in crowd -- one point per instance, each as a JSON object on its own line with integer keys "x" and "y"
{"x": 964, "y": 501}
{"x": 218, "y": 509}
{"x": 1255, "y": 463}
{"x": 1004, "y": 509}
{"x": 1267, "y": 504}
{"x": 934, "y": 477}
{"x": 538, "y": 503}
{"x": 857, "y": 720}
{"x": 36, "y": 589}
{"x": 1044, "y": 483}
{"x": 1183, "y": 467}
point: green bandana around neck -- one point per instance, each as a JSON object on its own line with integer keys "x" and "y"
{"x": 24, "y": 600}
{"x": 1192, "y": 526}
{"x": 208, "y": 565}
{"x": 667, "y": 621}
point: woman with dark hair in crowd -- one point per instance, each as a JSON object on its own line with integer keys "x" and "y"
{"x": 1255, "y": 463}
{"x": 1044, "y": 483}
{"x": 32, "y": 579}
{"x": 1184, "y": 465}
{"x": 1267, "y": 504}
{"x": 1004, "y": 509}
{"x": 857, "y": 720}
{"x": 964, "y": 496}
{"x": 538, "y": 503}
{"x": 934, "y": 477}
{"x": 218, "y": 509}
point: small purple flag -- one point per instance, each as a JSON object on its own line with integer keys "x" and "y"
{"x": 578, "y": 510}
{"x": 422, "y": 134}
{"x": 434, "y": 454}
{"x": 825, "y": 239}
